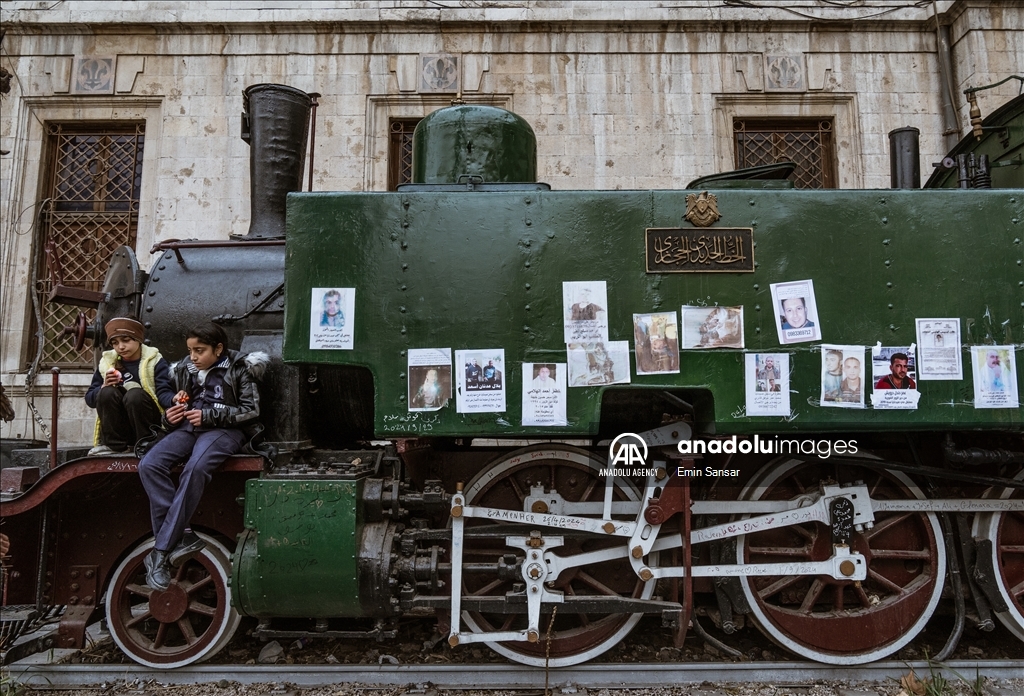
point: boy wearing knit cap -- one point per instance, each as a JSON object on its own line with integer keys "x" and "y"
{"x": 130, "y": 390}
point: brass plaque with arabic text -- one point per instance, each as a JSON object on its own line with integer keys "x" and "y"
{"x": 684, "y": 250}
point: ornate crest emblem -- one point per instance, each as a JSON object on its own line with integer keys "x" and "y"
{"x": 702, "y": 208}
{"x": 784, "y": 73}
{"x": 93, "y": 76}
{"x": 439, "y": 72}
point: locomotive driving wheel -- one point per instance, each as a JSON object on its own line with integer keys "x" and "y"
{"x": 843, "y": 621}
{"x": 1006, "y": 532}
{"x": 188, "y": 622}
{"x": 572, "y": 637}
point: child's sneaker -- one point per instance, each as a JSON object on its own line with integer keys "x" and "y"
{"x": 189, "y": 546}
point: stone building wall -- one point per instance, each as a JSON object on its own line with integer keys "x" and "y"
{"x": 621, "y": 95}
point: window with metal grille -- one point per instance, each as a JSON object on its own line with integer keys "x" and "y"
{"x": 400, "y": 151}
{"x": 94, "y": 176}
{"x": 806, "y": 142}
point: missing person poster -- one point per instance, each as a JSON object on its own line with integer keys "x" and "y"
{"x": 767, "y": 384}
{"x": 480, "y": 379}
{"x": 843, "y": 376}
{"x": 332, "y": 319}
{"x": 430, "y": 378}
{"x": 938, "y": 349}
{"x": 657, "y": 343}
{"x": 712, "y": 327}
{"x": 995, "y": 377}
{"x": 594, "y": 364}
{"x": 796, "y": 312}
{"x": 544, "y": 392}
{"x": 893, "y": 373}
{"x": 585, "y": 311}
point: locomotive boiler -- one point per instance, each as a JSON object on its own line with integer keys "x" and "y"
{"x": 419, "y": 464}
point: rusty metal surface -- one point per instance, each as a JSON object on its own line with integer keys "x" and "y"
{"x": 16, "y": 479}
{"x": 71, "y": 631}
{"x": 101, "y": 465}
{"x": 95, "y": 511}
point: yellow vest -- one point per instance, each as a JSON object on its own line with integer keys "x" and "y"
{"x": 147, "y": 377}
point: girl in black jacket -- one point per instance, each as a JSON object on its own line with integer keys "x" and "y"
{"x": 215, "y": 412}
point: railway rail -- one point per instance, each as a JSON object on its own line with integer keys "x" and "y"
{"x": 507, "y": 676}
{"x": 639, "y": 663}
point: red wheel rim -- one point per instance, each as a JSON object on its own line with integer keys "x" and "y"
{"x": 1009, "y": 550}
{"x": 174, "y": 627}
{"x": 571, "y": 634}
{"x": 840, "y": 620}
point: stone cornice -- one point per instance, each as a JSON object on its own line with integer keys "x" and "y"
{"x": 395, "y": 16}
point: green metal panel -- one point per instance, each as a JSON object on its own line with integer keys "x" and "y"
{"x": 472, "y": 140}
{"x": 485, "y": 270}
{"x": 297, "y": 556}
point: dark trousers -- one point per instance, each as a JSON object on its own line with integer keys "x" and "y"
{"x": 125, "y": 416}
{"x": 172, "y": 507}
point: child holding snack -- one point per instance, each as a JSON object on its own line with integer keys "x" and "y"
{"x": 215, "y": 413}
{"x": 130, "y": 390}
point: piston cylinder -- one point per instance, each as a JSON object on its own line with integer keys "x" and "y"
{"x": 308, "y": 534}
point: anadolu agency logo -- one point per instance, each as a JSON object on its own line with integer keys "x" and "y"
{"x": 627, "y": 456}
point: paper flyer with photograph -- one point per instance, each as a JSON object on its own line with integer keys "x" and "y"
{"x": 894, "y": 374}
{"x": 712, "y": 327}
{"x": 332, "y": 319}
{"x": 430, "y": 378}
{"x": 938, "y": 349}
{"x": 480, "y": 380}
{"x": 585, "y": 311}
{"x": 595, "y": 364}
{"x": 843, "y": 376}
{"x": 657, "y": 343}
{"x": 544, "y": 393}
{"x": 995, "y": 377}
{"x": 767, "y": 384}
{"x": 796, "y": 312}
